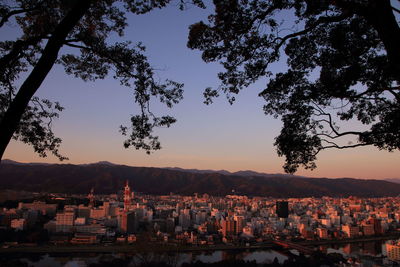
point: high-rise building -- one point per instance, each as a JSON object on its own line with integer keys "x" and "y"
{"x": 240, "y": 223}
{"x": 91, "y": 198}
{"x": 282, "y": 209}
{"x": 128, "y": 218}
{"x": 184, "y": 220}
{"x": 377, "y": 225}
{"x": 228, "y": 227}
{"x": 128, "y": 223}
{"x": 127, "y": 197}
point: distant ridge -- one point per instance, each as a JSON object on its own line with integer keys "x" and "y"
{"x": 394, "y": 180}
{"x": 100, "y": 163}
{"x": 109, "y": 178}
{"x": 246, "y": 173}
{"x": 9, "y": 161}
{"x": 224, "y": 172}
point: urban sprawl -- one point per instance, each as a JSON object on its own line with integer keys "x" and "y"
{"x": 203, "y": 220}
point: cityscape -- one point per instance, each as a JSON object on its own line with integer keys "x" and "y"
{"x": 172, "y": 222}
{"x": 191, "y": 133}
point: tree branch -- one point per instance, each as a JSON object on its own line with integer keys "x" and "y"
{"x": 330, "y": 123}
{"x": 396, "y": 95}
{"x": 17, "y": 48}
{"x": 15, "y": 111}
{"x": 319, "y": 21}
{"x": 116, "y": 62}
{"x": 390, "y": 89}
{"x": 12, "y": 13}
{"x": 344, "y": 147}
{"x": 395, "y": 9}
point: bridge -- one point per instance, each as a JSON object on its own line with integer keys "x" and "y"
{"x": 291, "y": 245}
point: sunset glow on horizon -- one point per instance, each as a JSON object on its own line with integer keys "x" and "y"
{"x": 219, "y": 136}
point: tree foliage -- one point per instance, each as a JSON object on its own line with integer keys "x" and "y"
{"x": 84, "y": 27}
{"x": 343, "y": 63}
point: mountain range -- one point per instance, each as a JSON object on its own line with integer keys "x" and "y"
{"x": 107, "y": 178}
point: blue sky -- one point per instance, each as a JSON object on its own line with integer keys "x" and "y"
{"x": 218, "y": 136}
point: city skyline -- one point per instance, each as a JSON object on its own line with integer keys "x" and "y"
{"x": 219, "y": 136}
{"x": 200, "y": 133}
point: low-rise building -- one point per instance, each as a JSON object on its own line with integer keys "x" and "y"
{"x": 18, "y": 224}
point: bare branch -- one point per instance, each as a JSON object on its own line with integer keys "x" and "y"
{"x": 331, "y": 124}
{"x": 344, "y": 147}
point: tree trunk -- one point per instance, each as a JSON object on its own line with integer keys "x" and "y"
{"x": 381, "y": 16}
{"x": 9, "y": 123}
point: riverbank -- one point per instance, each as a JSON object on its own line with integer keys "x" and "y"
{"x": 134, "y": 248}
{"x": 392, "y": 236}
{"x": 171, "y": 248}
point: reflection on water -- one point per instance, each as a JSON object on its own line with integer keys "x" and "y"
{"x": 174, "y": 259}
{"x": 369, "y": 253}
{"x": 374, "y": 248}
{"x": 265, "y": 256}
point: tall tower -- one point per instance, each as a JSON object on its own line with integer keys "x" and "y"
{"x": 91, "y": 198}
{"x": 127, "y": 196}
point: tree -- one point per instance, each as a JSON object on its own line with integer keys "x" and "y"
{"x": 343, "y": 63}
{"x": 46, "y": 27}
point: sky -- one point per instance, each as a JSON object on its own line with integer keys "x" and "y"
{"x": 218, "y": 136}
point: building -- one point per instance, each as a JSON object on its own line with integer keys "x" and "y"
{"x": 377, "y": 225}
{"x": 393, "y": 251}
{"x": 50, "y": 226}
{"x": 184, "y": 219}
{"x": 367, "y": 229}
{"x": 84, "y": 238}
{"x": 65, "y": 221}
{"x": 97, "y": 213}
{"x": 83, "y": 211}
{"x": 306, "y": 231}
{"x": 18, "y": 224}
{"x": 80, "y": 221}
{"x": 248, "y": 231}
{"x": 350, "y": 231}
{"x": 322, "y": 233}
{"x": 93, "y": 228}
{"x": 282, "y": 209}
{"x": 240, "y": 223}
{"x": 228, "y": 226}
{"x": 128, "y": 223}
{"x": 91, "y": 198}
{"x": 127, "y": 197}
{"x": 45, "y": 209}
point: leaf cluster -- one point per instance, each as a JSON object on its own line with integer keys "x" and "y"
{"x": 89, "y": 54}
{"x": 338, "y": 69}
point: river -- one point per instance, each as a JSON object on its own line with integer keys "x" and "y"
{"x": 371, "y": 253}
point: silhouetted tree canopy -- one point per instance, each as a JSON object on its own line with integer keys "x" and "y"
{"x": 343, "y": 64}
{"x": 84, "y": 27}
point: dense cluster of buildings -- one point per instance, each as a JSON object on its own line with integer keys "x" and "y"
{"x": 207, "y": 220}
